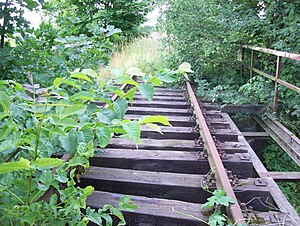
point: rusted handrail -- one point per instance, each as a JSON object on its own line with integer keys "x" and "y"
{"x": 276, "y": 78}
{"x": 214, "y": 159}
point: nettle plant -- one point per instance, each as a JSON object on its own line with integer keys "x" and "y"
{"x": 37, "y": 124}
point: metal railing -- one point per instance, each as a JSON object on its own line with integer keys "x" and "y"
{"x": 275, "y": 78}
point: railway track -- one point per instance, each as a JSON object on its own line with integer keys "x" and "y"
{"x": 168, "y": 175}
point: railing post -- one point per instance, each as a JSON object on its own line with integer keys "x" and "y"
{"x": 251, "y": 63}
{"x": 275, "y": 102}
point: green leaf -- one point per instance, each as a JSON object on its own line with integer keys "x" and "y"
{"x": 185, "y": 67}
{"x": 106, "y": 116}
{"x": 133, "y": 130}
{"x": 167, "y": 76}
{"x": 6, "y": 144}
{"x": 5, "y": 102}
{"x": 108, "y": 219}
{"x": 126, "y": 80}
{"x": 155, "y": 127}
{"x": 69, "y": 142}
{"x": 83, "y": 95}
{"x": 147, "y": 91}
{"x": 79, "y": 161}
{"x": 116, "y": 90}
{"x": 74, "y": 110}
{"x": 80, "y": 75}
{"x": 94, "y": 217}
{"x": 125, "y": 203}
{"x": 90, "y": 72}
{"x": 130, "y": 94}
{"x": 155, "y": 81}
{"x": 103, "y": 135}
{"x": 47, "y": 162}
{"x": 120, "y": 107}
{"x": 155, "y": 119}
{"x": 134, "y": 71}
{"x": 14, "y": 166}
{"x": 5, "y": 130}
{"x": 57, "y": 82}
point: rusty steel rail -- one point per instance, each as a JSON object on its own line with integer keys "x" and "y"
{"x": 214, "y": 159}
{"x": 276, "y": 78}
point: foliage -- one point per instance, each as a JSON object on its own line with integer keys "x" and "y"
{"x": 12, "y": 15}
{"x": 72, "y": 15}
{"x": 45, "y": 56}
{"x": 215, "y": 203}
{"x": 38, "y": 123}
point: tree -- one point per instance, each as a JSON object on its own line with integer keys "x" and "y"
{"x": 12, "y": 16}
{"x": 73, "y": 15}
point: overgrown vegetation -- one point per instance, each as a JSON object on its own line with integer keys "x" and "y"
{"x": 207, "y": 34}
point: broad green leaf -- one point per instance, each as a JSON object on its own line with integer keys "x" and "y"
{"x": 155, "y": 81}
{"x": 65, "y": 122}
{"x": 94, "y": 217}
{"x": 126, "y": 80}
{"x": 120, "y": 107}
{"x": 147, "y": 91}
{"x": 103, "y": 135}
{"x": 74, "y": 110}
{"x": 47, "y": 162}
{"x": 5, "y": 102}
{"x": 106, "y": 116}
{"x": 125, "y": 203}
{"x": 5, "y": 131}
{"x": 130, "y": 94}
{"x": 83, "y": 95}
{"x": 155, "y": 127}
{"x": 14, "y": 166}
{"x": 185, "y": 67}
{"x": 80, "y": 75}
{"x": 6, "y": 144}
{"x": 133, "y": 130}
{"x": 108, "y": 219}
{"x": 134, "y": 71}
{"x": 116, "y": 90}
{"x": 69, "y": 142}
{"x": 57, "y": 82}
{"x": 90, "y": 72}
{"x": 168, "y": 76}
{"x": 79, "y": 161}
{"x": 155, "y": 119}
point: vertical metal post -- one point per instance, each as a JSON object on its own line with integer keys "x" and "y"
{"x": 251, "y": 63}
{"x": 275, "y": 102}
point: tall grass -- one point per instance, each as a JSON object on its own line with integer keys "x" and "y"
{"x": 145, "y": 53}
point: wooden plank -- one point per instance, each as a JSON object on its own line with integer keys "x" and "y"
{"x": 168, "y": 161}
{"x": 256, "y": 135}
{"x": 170, "y": 133}
{"x": 171, "y": 144}
{"x": 174, "y": 120}
{"x": 171, "y": 98}
{"x": 283, "y": 176}
{"x": 164, "y": 93}
{"x": 158, "y": 111}
{"x": 168, "y": 144}
{"x": 152, "y": 211}
{"x": 161, "y": 104}
{"x": 164, "y": 212}
{"x": 244, "y": 108}
{"x": 183, "y": 187}
{"x": 283, "y": 137}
